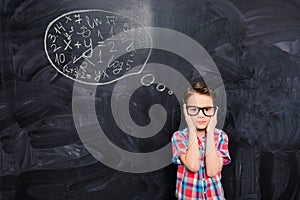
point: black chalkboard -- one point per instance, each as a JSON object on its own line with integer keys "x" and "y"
{"x": 73, "y": 67}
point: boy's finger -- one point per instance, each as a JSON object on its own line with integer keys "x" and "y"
{"x": 216, "y": 113}
{"x": 184, "y": 109}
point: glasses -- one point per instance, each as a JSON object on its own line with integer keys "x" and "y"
{"x": 207, "y": 111}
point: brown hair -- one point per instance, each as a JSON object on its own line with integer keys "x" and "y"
{"x": 200, "y": 88}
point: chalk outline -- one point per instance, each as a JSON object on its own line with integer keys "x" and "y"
{"x": 95, "y": 10}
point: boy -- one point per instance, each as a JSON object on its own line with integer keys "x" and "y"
{"x": 200, "y": 150}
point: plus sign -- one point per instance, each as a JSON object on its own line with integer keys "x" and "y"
{"x": 77, "y": 44}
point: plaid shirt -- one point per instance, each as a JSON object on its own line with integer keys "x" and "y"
{"x": 197, "y": 185}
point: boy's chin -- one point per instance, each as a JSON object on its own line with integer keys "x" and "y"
{"x": 201, "y": 128}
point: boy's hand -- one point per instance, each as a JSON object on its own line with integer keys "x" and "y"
{"x": 188, "y": 119}
{"x": 212, "y": 123}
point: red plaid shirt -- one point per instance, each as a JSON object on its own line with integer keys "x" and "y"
{"x": 197, "y": 185}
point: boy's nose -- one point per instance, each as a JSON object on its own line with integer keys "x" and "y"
{"x": 201, "y": 114}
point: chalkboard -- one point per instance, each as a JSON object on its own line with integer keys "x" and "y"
{"x": 90, "y": 95}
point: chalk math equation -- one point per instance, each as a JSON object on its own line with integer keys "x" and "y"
{"x": 96, "y": 47}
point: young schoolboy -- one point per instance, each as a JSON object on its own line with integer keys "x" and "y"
{"x": 200, "y": 150}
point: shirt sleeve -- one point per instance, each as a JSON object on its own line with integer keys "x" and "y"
{"x": 222, "y": 147}
{"x": 179, "y": 147}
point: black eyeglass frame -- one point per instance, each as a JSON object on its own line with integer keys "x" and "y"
{"x": 202, "y": 109}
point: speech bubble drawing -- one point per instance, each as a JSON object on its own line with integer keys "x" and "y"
{"x": 94, "y": 47}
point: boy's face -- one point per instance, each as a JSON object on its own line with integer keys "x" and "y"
{"x": 200, "y": 100}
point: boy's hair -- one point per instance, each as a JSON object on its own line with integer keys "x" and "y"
{"x": 200, "y": 88}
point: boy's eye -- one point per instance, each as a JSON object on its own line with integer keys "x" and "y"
{"x": 193, "y": 109}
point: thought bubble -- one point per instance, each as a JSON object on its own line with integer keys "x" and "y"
{"x": 94, "y": 46}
